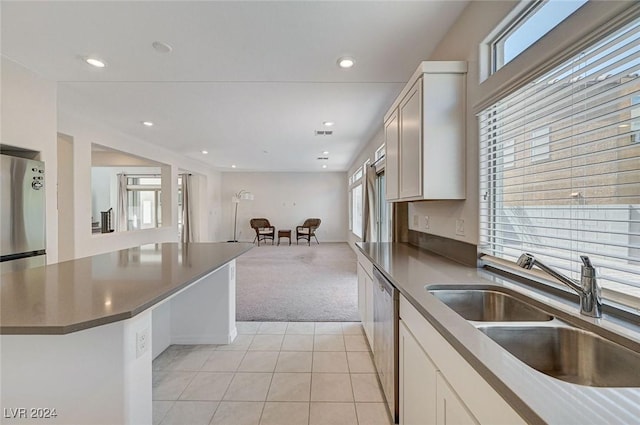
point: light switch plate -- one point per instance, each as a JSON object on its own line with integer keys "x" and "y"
{"x": 460, "y": 227}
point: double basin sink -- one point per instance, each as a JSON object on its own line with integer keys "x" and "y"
{"x": 541, "y": 340}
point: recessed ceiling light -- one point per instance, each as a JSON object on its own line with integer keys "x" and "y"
{"x": 204, "y": 152}
{"x": 324, "y": 165}
{"x": 328, "y": 123}
{"x": 95, "y": 62}
{"x": 147, "y": 123}
{"x": 233, "y": 166}
{"x": 161, "y": 47}
{"x": 325, "y": 153}
{"x": 346, "y": 62}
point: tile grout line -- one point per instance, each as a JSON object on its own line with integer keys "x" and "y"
{"x": 279, "y": 352}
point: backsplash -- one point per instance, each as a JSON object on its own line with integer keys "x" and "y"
{"x": 461, "y": 252}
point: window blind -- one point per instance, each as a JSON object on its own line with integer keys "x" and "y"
{"x": 560, "y": 165}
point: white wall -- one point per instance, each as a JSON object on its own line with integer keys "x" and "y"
{"x": 88, "y": 130}
{"x": 286, "y": 200}
{"x": 29, "y": 121}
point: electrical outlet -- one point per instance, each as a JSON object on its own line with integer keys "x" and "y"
{"x": 460, "y": 227}
{"x": 416, "y": 221}
{"x": 142, "y": 342}
{"x": 426, "y": 222}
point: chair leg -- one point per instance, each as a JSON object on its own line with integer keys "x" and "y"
{"x": 316, "y": 239}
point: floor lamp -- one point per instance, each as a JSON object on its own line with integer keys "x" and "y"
{"x": 240, "y": 196}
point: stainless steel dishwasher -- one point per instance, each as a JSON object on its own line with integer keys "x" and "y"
{"x": 385, "y": 339}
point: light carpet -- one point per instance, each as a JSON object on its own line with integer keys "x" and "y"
{"x": 297, "y": 283}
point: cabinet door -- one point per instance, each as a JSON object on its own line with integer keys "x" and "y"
{"x": 362, "y": 306}
{"x": 391, "y": 156}
{"x": 417, "y": 382}
{"x": 368, "y": 322}
{"x": 450, "y": 410}
{"x": 410, "y": 163}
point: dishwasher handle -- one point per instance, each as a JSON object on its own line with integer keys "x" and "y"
{"x": 383, "y": 283}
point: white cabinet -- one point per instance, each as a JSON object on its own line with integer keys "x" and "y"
{"x": 410, "y": 154}
{"x": 437, "y": 385}
{"x": 425, "y": 135}
{"x": 368, "y": 321}
{"x": 450, "y": 409}
{"x": 365, "y": 296}
{"x": 391, "y": 137}
{"x": 418, "y": 377}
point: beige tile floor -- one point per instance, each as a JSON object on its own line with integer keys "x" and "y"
{"x": 274, "y": 373}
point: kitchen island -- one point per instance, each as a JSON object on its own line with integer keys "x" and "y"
{"x": 78, "y": 337}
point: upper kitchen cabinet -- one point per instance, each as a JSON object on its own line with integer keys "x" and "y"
{"x": 425, "y": 135}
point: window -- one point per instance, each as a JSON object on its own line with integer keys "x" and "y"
{"x": 585, "y": 197}
{"x": 144, "y": 202}
{"x": 180, "y": 198}
{"x": 383, "y": 210}
{"x": 379, "y": 152}
{"x": 508, "y": 154}
{"x": 540, "y": 144}
{"x": 356, "y": 213}
{"x": 635, "y": 119}
{"x": 355, "y": 201}
{"x": 357, "y": 175}
{"x": 531, "y": 24}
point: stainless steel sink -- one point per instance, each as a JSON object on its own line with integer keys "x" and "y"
{"x": 488, "y": 305}
{"x": 570, "y": 354}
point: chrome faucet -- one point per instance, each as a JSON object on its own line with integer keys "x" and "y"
{"x": 588, "y": 289}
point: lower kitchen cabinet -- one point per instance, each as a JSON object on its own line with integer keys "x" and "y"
{"x": 437, "y": 385}
{"x": 418, "y": 377}
{"x": 450, "y": 410}
{"x": 365, "y": 296}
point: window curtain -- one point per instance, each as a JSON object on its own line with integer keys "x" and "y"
{"x": 187, "y": 221}
{"x": 121, "y": 213}
{"x": 369, "y": 205}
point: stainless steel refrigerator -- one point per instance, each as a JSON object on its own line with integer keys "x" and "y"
{"x": 22, "y": 213}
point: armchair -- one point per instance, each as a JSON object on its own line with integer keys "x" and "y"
{"x": 264, "y": 229}
{"x": 308, "y": 230}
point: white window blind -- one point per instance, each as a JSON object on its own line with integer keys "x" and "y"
{"x": 560, "y": 165}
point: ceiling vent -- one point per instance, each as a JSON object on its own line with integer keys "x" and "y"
{"x": 323, "y": 158}
{"x": 324, "y": 132}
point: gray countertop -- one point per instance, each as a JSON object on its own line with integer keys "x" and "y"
{"x": 538, "y": 398}
{"x": 79, "y": 294}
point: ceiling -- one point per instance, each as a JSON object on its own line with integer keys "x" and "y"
{"x": 250, "y": 82}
